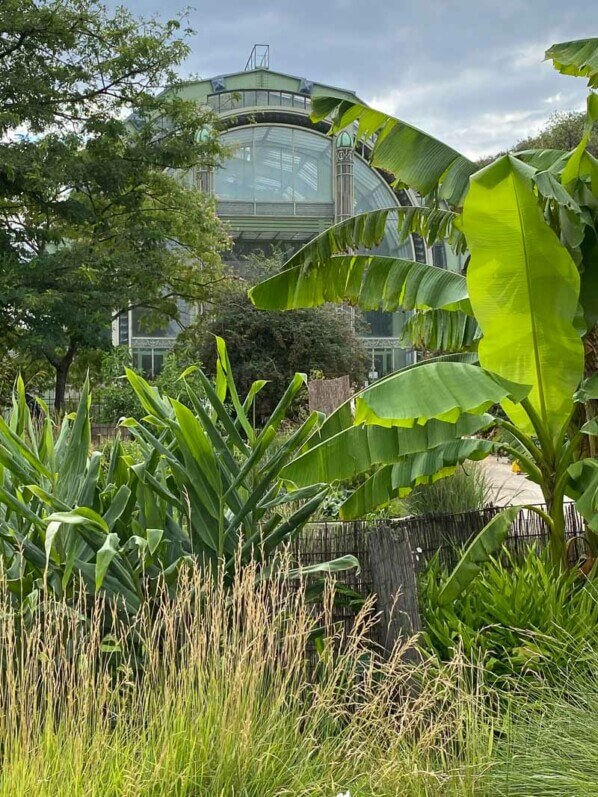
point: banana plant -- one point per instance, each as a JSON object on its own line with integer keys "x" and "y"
{"x": 529, "y": 222}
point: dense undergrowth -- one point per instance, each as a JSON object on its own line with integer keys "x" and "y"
{"x": 518, "y": 619}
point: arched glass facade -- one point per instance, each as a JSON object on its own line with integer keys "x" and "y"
{"x": 275, "y": 163}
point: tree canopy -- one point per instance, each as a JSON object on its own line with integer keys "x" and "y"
{"x": 97, "y": 177}
{"x": 273, "y": 346}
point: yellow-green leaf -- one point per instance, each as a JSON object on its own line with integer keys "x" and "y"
{"x": 524, "y": 290}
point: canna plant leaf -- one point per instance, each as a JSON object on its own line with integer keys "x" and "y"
{"x": 104, "y": 556}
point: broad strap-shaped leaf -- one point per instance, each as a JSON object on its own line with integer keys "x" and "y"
{"x": 440, "y": 390}
{"x": 524, "y": 290}
{"x": 413, "y": 157}
{"x": 580, "y": 162}
{"x": 72, "y": 450}
{"x": 370, "y": 281}
{"x": 359, "y": 448}
{"x": 425, "y": 467}
{"x": 551, "y": 160}
{"x": 578, "y": 58}
{"x": 485, "y": 544}
{"x": 104, "y": 556}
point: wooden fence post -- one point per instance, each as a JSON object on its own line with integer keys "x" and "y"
{"x": 326, "y": 395}
{"x": 394, "y": 581}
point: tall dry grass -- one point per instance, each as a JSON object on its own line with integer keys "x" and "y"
{"x": 212, "y": 692}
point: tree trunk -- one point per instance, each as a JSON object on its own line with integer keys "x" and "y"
{"x": 62, "y": 367}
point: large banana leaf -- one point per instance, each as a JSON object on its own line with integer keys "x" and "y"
{"x": 425, "y": 467}
{"x": 413, "y": 157}
{"x": 366, "y": 231}
{"x": 440, "y": 390}
{"x": 371, "y": 282}
{"x": 578, "y": 58}
{"x": 358, "y": 448}
{"x": 524, "y": 289}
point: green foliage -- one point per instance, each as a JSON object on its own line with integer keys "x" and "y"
{"x": 115, "y": 396}
{"x": 549, "y": 747}
{"x": 529, "y": 221}
{"x": 413, "y": 157}
{"x": 517, "y": 617}
{"x": 564, "y": 131}
{"x": 274, "y": 346}
{"x": 532, "y": 340}
{"x": 207, "y": 486}
{"x": 466, "y": 489}
{"x": 95, "y": 215}
{"x": 578, "y": 58}
{"x": 225, "y": 702}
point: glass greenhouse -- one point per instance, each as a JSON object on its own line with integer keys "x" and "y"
{"x": 286, "y": 181}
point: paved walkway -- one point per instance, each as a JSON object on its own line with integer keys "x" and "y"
{"x": 510, "y": 488}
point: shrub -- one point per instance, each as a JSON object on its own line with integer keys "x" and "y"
{"x": 519, "y": 616}
{"x": 201, "y": 483}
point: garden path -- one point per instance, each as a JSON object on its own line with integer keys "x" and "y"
{"x": 509, "y": 487}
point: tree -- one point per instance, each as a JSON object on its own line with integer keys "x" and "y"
{"x": 94, "y": 216}
{"x": 273, "y": 346}
{"x": 529, "y": 221}
{"x": 564, "y": 131}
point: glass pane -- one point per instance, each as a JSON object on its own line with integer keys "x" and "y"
{"x": 158, "y": 362}
{"x": 385, "y": 325}
{"x": 380, "y": 323}
{"x": 312, "y": 167}
{"x": 144, "y": 363}
{"x": 371, "y": 193}
{"x": 439, "y": 255}
{"x": 273, "y": 163}
{"x": 234, "y": 181}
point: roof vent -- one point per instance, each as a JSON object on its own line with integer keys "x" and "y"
{"x": 306, "y": 86}
{"x": 259, "y": 57}
{"x": 218, "y": 83}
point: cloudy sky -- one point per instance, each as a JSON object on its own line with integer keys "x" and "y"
{"x": 467, "y": 71}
